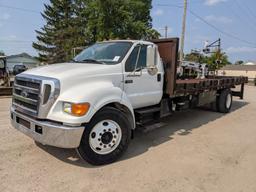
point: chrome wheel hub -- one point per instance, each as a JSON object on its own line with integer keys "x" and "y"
{"x": 105, "y": 136}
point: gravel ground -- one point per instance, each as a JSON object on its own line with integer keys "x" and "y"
{"x": 194, "y": 151}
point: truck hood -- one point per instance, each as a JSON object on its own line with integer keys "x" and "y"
{"x": 63, "y": 71}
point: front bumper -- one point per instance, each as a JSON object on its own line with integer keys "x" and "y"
{"x": 46, "y": 132}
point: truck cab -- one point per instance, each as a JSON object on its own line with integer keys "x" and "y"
{"x": 64, "y": 104}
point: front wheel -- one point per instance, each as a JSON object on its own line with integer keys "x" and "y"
{"x": 106, "y": 137}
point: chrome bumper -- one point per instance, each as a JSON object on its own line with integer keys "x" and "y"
{"x": 46, "y": 132}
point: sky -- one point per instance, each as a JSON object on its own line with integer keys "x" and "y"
{"x": 234, "y": 21}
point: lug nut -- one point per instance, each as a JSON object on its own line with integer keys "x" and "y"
{"x": 93, "y": 135}
{"x": 105, "y": 123}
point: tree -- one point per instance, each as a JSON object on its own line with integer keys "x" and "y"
{"x": 195, "y": 57}
{"x": 60, "y": 33}
{"x": 2, "y": 53}
{"x": 215, "y": 61}
{"x": 111, "y": 19}
{"x": 75, "y": 23}
{"x": 239, "y": 62}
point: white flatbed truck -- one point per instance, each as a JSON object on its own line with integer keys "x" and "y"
{"x": 94, "y": 102}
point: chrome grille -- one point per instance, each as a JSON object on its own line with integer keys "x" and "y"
{"x": 26, "y": 95}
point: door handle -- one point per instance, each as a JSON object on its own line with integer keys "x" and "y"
{"x": 128, "y": 81}
{"x": 159, "y": 77}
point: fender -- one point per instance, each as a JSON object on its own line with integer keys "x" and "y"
{"x": 98, "y": 94}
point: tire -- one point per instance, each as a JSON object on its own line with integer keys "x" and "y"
{"x": 224, "y": 101}
{"x": 106, "y": 137}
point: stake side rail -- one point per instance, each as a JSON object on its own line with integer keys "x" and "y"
{"x": 196, "y": 86}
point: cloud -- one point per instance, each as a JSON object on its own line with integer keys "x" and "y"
{"x": 213, "y": 2}
{"x": 199, "y": 39}
{"x": 218, "y": 19}
{"x": 158, "y": 12}
{"x": 241, "y": 50}
{"x": 5, "y": 16}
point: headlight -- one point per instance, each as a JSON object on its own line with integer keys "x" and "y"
{"x": 77, "y": 109}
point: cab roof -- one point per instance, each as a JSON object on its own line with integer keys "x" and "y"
{"x": 127, "y": 40}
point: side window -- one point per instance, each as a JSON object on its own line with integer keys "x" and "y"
{"x": 131, "y": 61}
{"x": 142, "y": 60}
{"x": 143, "y": 57}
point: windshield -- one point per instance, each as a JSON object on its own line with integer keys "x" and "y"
{"x": 104, "y": 53}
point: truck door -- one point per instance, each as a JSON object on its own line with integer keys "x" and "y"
{"x": 142, "y": 88}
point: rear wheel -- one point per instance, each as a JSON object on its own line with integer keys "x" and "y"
{"x": 224, "y": 101}
{"x": 106, "y": 137}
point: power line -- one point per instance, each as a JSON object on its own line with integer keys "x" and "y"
{"x": 16, "y": 41}
{"x": 242, "y": 18}
{"x": 249, "y": 9}
{"x": 211, "y": 25}
{"x": 246, "y": 9}
{"x": 19, "y": 8}
{"x": 221, "y": 31}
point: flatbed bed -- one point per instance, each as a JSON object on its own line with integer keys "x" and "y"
{"x": 195, "y": 86}
{"x": 176, "y": 87}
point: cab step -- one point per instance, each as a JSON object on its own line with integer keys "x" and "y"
{"x": 146, "y": 116}
{"x": 148, "y": 110}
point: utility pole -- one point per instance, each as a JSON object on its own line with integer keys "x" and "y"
{"x": 182, "y": 39}
{"x": 166, "y": 28}
{"x": 166, "y": 31}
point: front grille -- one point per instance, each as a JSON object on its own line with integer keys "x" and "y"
{"x": 26, "y": 95}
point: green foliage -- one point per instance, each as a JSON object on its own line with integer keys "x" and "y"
{"x": 111, "y": 19}
{"x": 213, "y": 63}
{"x": 215, "y": 60}
{"x": 60, "y": 33}
{"x": 73, "y": 23}
{"x": 195, "y": 57}
{"x": 240, "y": 62}
{"x": 2, "y": 53}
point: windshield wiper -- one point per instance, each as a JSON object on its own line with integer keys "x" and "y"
{"x": 90, "y": 61}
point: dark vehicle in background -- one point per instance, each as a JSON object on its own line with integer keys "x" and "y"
{"x": 17, "y": 69}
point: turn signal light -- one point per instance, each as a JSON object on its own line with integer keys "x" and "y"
{"x": 80, "y": 109}
{"x": 77, "y": 109}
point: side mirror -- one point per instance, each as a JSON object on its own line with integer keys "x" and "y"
{"x": 151, "y": 56}
{"x": 151, "y": 60}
